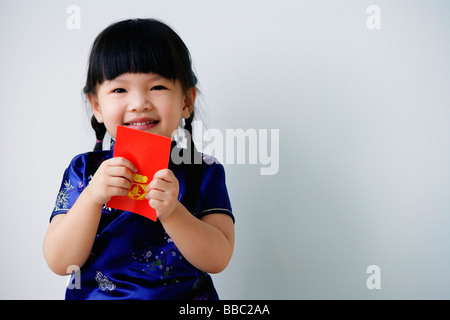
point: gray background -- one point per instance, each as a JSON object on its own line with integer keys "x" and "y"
{"x": 364, "y": 138}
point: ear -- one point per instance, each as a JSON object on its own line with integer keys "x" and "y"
{"x": 95, "y": 108}
{"x": 189, "y": 102}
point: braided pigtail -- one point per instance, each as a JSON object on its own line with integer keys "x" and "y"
{"x": 100, "y": 131}
{"x": 193, "y": 172}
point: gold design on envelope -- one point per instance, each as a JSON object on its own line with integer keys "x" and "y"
{"x": 137, "y": 190}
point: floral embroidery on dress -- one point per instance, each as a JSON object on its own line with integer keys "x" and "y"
{"x": 156, "y": 261}
{"x": 62, "y": 201}
{"x": 104, "y": 283}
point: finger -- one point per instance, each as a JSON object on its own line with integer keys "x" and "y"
{"x": 156, "y": 194}
{"x": 116, "y": 191}
{"x": 158, "y": 184}
{"x": 119, "y": 171}
{"x": 118, "y": 182}
{"x": 123, "y": 162}
{"x": 155, "y": 204}
{"x": 164, "y": 174}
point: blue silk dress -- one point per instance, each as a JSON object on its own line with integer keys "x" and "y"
{"x": 133, "y": 257}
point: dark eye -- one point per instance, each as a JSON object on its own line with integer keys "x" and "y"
{"x": 119, "y": 90}
{"x": 158, "y": 88}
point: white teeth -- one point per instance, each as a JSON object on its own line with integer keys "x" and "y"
{"x": 141, "y": 123}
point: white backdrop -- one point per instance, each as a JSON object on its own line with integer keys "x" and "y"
{"x": 361, "y": 100}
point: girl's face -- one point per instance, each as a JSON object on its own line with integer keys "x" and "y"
{"x": 143, "y": 101}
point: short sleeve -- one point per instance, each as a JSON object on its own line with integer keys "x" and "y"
{"x": 214, "y": 192}
{"x": 75, "y": 179}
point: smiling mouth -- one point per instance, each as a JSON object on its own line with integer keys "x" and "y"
{"x": 141, "y": 123}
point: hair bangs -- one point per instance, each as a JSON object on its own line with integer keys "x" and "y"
{"x": 115, "y": 52}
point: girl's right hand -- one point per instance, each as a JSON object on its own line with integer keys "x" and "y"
{"x": 112, "y": 178}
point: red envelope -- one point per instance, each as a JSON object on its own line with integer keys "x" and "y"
{"x": 149, "y": 153}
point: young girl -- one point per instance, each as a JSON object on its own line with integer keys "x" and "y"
{"x": 140, "y": 76}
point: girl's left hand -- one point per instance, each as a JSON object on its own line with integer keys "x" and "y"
{"x": 162, "y": 193}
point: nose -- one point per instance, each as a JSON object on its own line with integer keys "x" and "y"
{"x": 139, "y": 103}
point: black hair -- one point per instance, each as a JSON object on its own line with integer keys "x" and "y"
{"x": 138, "y": 46}
{"x": 141, "y": 46}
